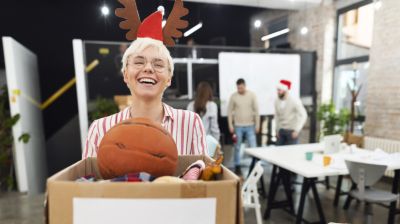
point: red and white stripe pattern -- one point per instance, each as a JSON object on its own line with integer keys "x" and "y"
{"x": 185, "y": 127}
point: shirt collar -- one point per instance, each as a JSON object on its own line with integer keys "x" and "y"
{"x": 167, "y": 112}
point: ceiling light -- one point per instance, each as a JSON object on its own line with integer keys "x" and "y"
{"x": 304, "y": 30}
{"x": 257, "y": 23}
{"x": 273, "y": 35}
{"x": 105, "y": 10}
{"x": 193, "y": 29}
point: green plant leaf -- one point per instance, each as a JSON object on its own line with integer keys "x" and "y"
{"x": 104, "y": 107}
{"x": 332, "y": 121}
{"x": 6, "y": 140}
{"x": 24, "y": 138}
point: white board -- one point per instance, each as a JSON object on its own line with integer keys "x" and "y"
{"x": 261, "y": 72}
{"x": 23, "y": 88}
{"x": 149, "y": 211}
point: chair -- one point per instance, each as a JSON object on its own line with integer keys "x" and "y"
{"x": 214, "y": 148}
{"x": 250, "y": 191}
{"x": 365, "y": 175}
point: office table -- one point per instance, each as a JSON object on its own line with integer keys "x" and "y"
{"x": 286, "y": 159}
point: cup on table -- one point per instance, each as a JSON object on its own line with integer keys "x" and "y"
{"x": 353, "y": 148}
{"x": 327, "y": 160}
{"x": 309, "y": 156}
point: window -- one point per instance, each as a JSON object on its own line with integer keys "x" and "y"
{"x": 354, "y": 39}
{"x": 349, "y": 79}
{"x": 355, "y": 32}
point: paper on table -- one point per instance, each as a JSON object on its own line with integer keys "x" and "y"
{"x": 149, "y": 211}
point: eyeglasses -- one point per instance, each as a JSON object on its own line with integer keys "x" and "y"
{"x": 140, "y": 62}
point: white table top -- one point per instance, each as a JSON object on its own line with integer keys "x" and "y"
{"x": 292, "y": 158}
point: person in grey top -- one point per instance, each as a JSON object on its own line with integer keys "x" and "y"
{"x": 290, "y": 115}
{"x": 206, "y": 108}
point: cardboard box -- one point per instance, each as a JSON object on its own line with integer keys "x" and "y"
{"x": 62, "y": 189}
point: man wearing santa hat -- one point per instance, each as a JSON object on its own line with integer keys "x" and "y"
{"x": 290, "y": 115}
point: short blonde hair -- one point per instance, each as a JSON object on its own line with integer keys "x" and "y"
{"x": 142, "y": 43}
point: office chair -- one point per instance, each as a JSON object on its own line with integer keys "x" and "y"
{"x": 365, "y": 175}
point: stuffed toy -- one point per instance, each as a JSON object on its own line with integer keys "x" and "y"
{"x": 137, "y": 145}
{"x": 168, "y": 179}
{"x": 212, "y": 169}
{"x": 193, "y": 172}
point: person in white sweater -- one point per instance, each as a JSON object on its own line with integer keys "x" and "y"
{"x": 290, "y": 115}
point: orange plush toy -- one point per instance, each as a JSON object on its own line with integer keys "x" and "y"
{"x": 212, "y": 169}
{"x": 137, "y": 145}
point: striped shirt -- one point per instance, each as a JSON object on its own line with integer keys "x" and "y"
{"x": 185, "y": 127}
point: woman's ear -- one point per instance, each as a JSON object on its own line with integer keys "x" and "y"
{"x": 125, "y": 76}
{"x": 126, "y": 80}
{"x": 168, "y": 82}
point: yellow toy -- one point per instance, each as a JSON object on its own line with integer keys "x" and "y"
{"x": 212, "y": 169}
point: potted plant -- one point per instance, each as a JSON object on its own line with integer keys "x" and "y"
{"x": 7, "y": 180}
{"x": 332, "y": 120}
{"x": 103, "y": 107}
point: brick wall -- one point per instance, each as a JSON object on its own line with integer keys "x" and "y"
{"x": 320, "y": 22}
{"x": 383, "y": 91}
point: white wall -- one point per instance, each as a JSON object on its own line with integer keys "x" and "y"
{"x": 81, "y": 89}
{"x": 23, "y": 87}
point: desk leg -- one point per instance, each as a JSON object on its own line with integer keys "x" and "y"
{"x": 349, "y": 198}
{"x": 287, "y": 185}
{"x": 395, "y": 190}
{"x": 307, "y": 184}
{"x": 253, "y": 163}
{"x": 262, "y": 191}
{"x": 338, "y": 190}
{"x": 304, "y": 190}
{"x": 317, "y": 202}
{"x": 273, "y": 186}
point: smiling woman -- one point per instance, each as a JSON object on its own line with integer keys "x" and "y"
{"x": 147, "y": 69}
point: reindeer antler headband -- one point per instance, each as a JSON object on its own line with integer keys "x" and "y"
{"x": 151, "y": 26}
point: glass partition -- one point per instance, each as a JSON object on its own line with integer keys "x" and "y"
{"x": 347, "y": 79}
{"x": 192, "y": 64}
{"x": 354, "y": 39}
{"x": 355, "y": 32}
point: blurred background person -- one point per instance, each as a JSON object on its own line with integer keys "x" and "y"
{"x": 290, "y": 115}
{"x": 206, "y": 108}
{"x": 243, "y": 119}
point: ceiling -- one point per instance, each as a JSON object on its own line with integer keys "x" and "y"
{"x": 271, "y": 4}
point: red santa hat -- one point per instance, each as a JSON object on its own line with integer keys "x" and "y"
{"x": 151, "y": 27}
{"x": 284, "y": 84}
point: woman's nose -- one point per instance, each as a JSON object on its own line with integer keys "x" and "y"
{"x": 148, "y": 67}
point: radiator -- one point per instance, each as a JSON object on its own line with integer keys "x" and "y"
{"x": 389, "y": 146}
